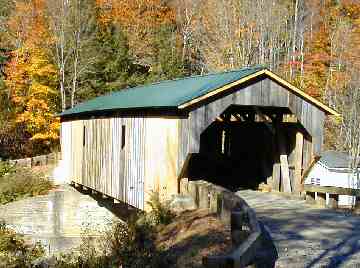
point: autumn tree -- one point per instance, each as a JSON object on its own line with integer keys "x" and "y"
{"x": 31, "y": 81}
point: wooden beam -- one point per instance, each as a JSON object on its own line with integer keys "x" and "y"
{"x": 321, "y": 199}
{"x": 263, "y": 117}
{"x": 227, "y": 146}
{"x": 284, "y": 165}
{"x": 273, "y": 76}
{"x": 285, "y": 177}
{"x": 310, "y": 197}
{"x": 238, "y": 117}
{"x": 331, "y": 190}
{"x": 333, "y": 201}
{"x": 276, "y": 176}
{"x": 302, "y": 94}
{"x": 298, "y": 161}
{"x": 307, "y": 170}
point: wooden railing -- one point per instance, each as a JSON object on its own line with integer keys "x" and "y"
{"x": 333, "y": 192}
{"x": 252, "y": 244}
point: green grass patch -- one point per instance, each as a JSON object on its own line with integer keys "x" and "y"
{"x": 18, "y": 183}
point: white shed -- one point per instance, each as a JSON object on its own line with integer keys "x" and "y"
{"x": 332, "y": 170}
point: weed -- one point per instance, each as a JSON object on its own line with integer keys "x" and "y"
{"x": 18, "y": 183}
{"x": 14, "y": 252}
{"x": 160, "y": 209}
{"x": 6, "y": 168}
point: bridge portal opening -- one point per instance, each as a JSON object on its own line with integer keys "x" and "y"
{"x": 247, "y": 146}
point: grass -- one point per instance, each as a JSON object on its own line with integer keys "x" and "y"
{"x": 156, "y": 239}
{"x": 14, "y": 252}
{"x": 130, "y": 244}
{"x": 18, "y": 183}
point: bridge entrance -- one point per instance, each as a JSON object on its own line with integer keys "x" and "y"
{"x": 250, "y": 145}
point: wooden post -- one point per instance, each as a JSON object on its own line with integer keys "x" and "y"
{"x": 333, "y": 200}
{"x": 284, "y": 165}
{"x": 321, "y": 199}
{"x": 298, "y": 162}
{"x": 310, "y": 197}
{"x": 276, "y": 175}
{"x": 227, "y": 146}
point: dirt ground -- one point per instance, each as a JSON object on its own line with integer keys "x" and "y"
{"x": 191, "y": 236}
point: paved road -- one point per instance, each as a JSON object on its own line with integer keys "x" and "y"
{"x": 57, "y": 219}
{"x": 306, "y": 236}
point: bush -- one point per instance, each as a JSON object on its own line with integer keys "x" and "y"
{"x": 18, "y": 183}
{"x": 124, "y": 245}
{"x": 130, "y": 244}
{"x": 160, "y": 210}
{"x": 6, "y": 168}
{"x": 14, "y": 252}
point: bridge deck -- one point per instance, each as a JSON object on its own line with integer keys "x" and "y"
{"x": 307, "y": 236}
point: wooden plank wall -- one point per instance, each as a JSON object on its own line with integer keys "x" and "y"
{"x": 66, "y": 148}
{"x": 93, "y": 150}
{"x": 263, "y": 93}
{"x": 161, "y": 156}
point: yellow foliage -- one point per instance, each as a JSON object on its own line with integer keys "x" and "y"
{"x": 31, "y": 77}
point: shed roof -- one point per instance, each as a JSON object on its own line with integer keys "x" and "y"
{"x": 181, "y": 93}
{"x": 334, "y": 159}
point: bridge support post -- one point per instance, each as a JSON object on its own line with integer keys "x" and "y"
{"x": 321, "y": 199}
{"x": 298, "y": 162}
{"x": 310, "y": 197}
{"x": 333, "y": 201}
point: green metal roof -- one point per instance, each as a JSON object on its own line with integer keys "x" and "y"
{"x": 164, "y": 94}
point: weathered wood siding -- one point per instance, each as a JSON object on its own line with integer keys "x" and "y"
{"x": 161, "y": 156}
{"x": 147, "y": 161}
{"x": 265, "y": 92}
{"x": 155, "y": 148}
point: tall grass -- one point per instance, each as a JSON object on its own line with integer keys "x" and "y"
{"x": 130, "y": 244}
{"x": 19, "y": 182}
{"x": 14, "y": 252}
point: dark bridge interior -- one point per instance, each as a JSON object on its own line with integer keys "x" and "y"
{"x": 239, "y": 150}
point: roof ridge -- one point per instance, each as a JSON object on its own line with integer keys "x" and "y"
{"x": 255, "y": 67}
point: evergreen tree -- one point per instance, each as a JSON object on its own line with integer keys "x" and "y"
{"x": 167, "y": 63}
{"x": 113, "y": 67}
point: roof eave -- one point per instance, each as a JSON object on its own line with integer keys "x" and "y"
{"x": 293, "y": 89}
{"x": 220, "y": 90}
{"x": 166, "y": 110}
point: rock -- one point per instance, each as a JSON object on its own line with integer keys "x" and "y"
{"x": 181, "y": 203}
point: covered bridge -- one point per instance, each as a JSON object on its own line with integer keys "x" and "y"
{"x": 238, "y": 129}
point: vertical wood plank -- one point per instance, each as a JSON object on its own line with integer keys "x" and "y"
{"x": 298, "y": 161}
{"x": 284, "y": 165}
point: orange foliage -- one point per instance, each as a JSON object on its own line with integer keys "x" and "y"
{"x": 333, "y": 47}
{"x": 31, "y": 78}
{"x": 139, "y": 19}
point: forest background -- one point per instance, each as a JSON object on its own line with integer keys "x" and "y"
{"x": 57, "y": 53}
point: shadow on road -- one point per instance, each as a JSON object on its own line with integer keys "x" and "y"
{"x": 321, "y": 236}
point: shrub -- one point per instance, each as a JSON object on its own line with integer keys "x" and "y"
{"x": 14, "y": 252}
{"x": 160, "y": 210}
{"x": 124, "y": 245}
{"x": 17, "y": 183}
{"x": 6, "y": 168}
